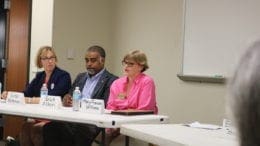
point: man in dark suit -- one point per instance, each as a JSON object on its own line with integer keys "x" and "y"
{"x": 94, "y": 84}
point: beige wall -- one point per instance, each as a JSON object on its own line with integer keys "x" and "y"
{"x": 77, "y": 25}
{"x": 41, "y": 29}
{"x": 155, "y": 26}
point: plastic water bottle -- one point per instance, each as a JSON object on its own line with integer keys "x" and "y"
{"x": 44, "y": 91}
{"x": 76, "y": 99}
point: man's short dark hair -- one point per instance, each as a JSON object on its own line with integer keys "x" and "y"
{"x": 98, "y": 49}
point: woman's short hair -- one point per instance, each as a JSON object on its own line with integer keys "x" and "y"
{"x": 139, "y": 57}
{"x": 42, "y": 53}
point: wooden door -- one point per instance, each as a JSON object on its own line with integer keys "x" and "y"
{"x": 17, "y": 56}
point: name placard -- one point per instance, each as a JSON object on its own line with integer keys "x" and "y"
{"x": 95, "y": 106}
{"x": 51, "y": 102}
{"x": 15, "y": 97}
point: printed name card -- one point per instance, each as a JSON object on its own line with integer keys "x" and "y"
{"x": 95, "y": 106}
{"x": 51, "y": 102}
{"x": 15, "y": 98}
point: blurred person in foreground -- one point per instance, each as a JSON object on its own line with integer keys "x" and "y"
{"x": 244, "y": 101}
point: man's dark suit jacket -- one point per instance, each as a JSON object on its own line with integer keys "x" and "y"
{"x": 101, "y": 91}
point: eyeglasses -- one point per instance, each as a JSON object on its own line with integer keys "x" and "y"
{"x": 129, "y": 64}
{"x": 52, "y": 58}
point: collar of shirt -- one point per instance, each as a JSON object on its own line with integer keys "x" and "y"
{"x": 136, "y": 80}
{"x": 90, "y": 85}
{"x": 96, "y": 76}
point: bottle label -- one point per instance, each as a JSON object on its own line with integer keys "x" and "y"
{"x": 76, "y": 96}
{"x": 44, "y": 94}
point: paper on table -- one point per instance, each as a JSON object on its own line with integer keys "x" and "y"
{"x": 203, "y": 126}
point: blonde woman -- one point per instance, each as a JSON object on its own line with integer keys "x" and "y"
{"x": 58, "y": 83}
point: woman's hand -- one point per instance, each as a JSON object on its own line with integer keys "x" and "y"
{"x": 67, "y": 100}
{"x": 4, "y": 95}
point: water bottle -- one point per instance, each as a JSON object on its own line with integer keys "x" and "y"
{"x": 76, "y": 99}
{"x": 44, "y": 91}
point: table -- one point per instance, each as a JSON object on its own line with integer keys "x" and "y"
{"x": 178, "y": 135}
{"x": 66, "y": 114}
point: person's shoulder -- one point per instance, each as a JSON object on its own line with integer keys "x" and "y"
{"x": 40, "y": 73}
{"x": 146, "y": 78}
{"x": 120, "y": 80}
{"x": 81, "y": 75}
{"x": 110, "y": 75}
{"x": 59, "y": 70}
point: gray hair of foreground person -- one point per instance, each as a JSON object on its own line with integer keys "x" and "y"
{"x": 244, "y": 101}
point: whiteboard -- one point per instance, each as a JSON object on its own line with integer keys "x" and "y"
{"x": 216, "y": 32}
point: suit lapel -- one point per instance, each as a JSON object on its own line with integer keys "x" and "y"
{"x": 82, "y": 82}
{"x": 100, "y": 85}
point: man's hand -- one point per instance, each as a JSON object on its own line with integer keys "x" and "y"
{"x": 67, "y": 100}
{"x": 32, "y": 100}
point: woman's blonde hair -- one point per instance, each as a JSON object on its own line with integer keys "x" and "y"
{"x": 42, "y": 53}
{"x": 139, "y": 57}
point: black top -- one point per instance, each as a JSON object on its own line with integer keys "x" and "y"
{"x": 58, "y": 84}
